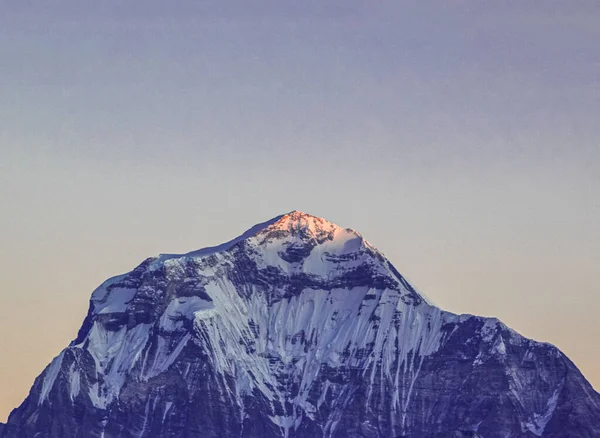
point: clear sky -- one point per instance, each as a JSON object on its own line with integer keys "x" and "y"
{"x": 461, "y": 138}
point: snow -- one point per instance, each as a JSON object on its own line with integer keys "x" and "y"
{"x": 50, "y": 377}
{"x": 333, "y": 320}
{"x": 205, "y": 252}
{"x": 167, "y": 408}
{"x": 285, "y": 422}
{"x": 100, "y": 292}
{"x": 489, "y": 329}
{"x": 115, "y": 353}
{"x": 97, "y": 397}
{"x": 499, "y": 348}
{"x": 165, "y": 355}
{"x": 114, "y": 301}
{"x": 185, "y": 308}
{"x": 538, "y": 423}
{"x": 74, "y": 382}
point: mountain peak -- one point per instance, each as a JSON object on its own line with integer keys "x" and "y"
{"x": 299, "y": 221}
{"x": 295, "y": 223}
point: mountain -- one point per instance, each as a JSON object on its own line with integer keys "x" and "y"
{"x": 298, "y": 328}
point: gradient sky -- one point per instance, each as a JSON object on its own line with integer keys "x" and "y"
{"x": 461, "y": 138}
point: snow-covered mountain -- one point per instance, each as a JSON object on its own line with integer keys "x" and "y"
{"x": 298, "y": 328}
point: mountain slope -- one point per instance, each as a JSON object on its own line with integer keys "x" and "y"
{"x": 298, "y": 328}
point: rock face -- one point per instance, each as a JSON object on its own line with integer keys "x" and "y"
{"x": 298, "y": 328}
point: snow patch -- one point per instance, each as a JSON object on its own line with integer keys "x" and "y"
{"x": 538, "y": 423}
{"x": 185, "y": 308}
{"x": 74, "y": 382}
{"x": 115, "y": 353}
{"x": 205, "y": 252}
{"x": 50, "y": 377}
{"x": 114, "y": 301}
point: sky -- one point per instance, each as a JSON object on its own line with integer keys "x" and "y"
{"x": 460, "y": 138}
